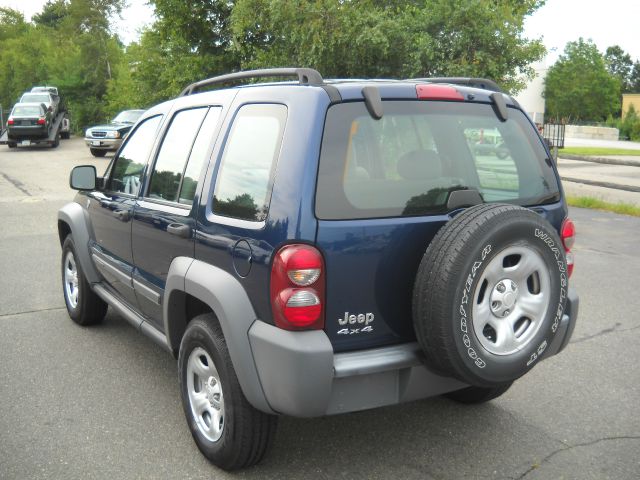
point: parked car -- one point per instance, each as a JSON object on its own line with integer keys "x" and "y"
{"x": 108, "y": 138}
{"x": 312, "y": 248}
{"x": 28, "y": 121}
{"x": 51, "y": 90}
{"x": 51, "y": 101}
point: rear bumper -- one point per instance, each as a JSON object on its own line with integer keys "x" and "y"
{"x": 301, "y": 376}
{"x": 27, "y": 132}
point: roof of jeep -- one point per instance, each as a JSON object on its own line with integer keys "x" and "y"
{"x": 348, "y": 90}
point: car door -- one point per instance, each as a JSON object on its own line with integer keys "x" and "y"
{"x": 111, "y": 210}
{"x": 164, "y": 216}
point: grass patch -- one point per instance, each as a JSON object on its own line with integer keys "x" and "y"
{"x": 597, "y": 204}
{"x": 597, "y": 151}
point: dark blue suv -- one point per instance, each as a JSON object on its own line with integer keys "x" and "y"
{"x": 316, "y": 247}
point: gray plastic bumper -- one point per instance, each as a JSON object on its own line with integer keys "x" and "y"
{"x": 302, "y": 377}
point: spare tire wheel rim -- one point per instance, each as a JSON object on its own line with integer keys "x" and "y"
{"x": 511, "y": 300}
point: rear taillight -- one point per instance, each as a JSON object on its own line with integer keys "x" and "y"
{"x": 297, "y": 288}
{"x": 438, "y": 92}
{"x": 10, "y": 121}
{"x": 41, "y": 121}
{"x": 568, "y": 236}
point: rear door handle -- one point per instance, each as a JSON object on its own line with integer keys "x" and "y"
{"x": 122, "y": 215}
{"x": 179, "y": 229}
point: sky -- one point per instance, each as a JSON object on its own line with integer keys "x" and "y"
{"x": 606, "y": 22}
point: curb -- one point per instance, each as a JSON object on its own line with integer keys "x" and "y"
{"x": 609, "y": 161}
{"x": 615, "y": 186}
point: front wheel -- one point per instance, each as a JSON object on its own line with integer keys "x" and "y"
{"x": 226, "y": 428}
{"x": 83, "y": 305}
{"x": 12, "y": 144}
{"x": 97, "y": 152}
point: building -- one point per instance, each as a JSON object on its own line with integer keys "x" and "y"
{"x": 531, "y": 98}
{"x": 629, "y": 99}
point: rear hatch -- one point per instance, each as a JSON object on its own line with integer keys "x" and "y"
{"x": 384, "y": 189}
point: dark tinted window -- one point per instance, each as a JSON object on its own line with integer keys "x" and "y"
{"x": 245, "y": 178}
{"x": 198, "y": 156}
{"x": 408, "y": 162}
{"x": 130, "y": 163}
{"x": 173, "y": 154}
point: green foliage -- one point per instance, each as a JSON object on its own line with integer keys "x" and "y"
{"x": 630, "y": 125}
{"x": 619, "y": 64}
{"x": 69, "y": 45}
{"x": 398, "y": 39}
{"x": 629, "y": 128}
{"x": 600, "y": 151}
{"x": 579, "y": 87}
{"x": 598, "y": 204}
{"x": 634, "y": 78}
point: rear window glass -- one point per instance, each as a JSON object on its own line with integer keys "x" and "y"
{"x": 36, "y": 98}
{"x": 408, "y": 162}
{"x": 27, "y": 111}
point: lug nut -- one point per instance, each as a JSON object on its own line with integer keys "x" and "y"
{"x": 501, "y": 287}
{"x": 507, "y": 312}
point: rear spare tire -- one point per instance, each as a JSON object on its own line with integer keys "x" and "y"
{"x": 489, "y": 294}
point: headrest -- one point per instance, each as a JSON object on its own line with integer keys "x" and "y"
{"x": 420, "y": 165}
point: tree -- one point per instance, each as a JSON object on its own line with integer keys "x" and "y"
{"x": 578, "y": 85}
{"x": 619, "y": 64}
{"x": 370, "y": 38}
{"x": 634, "y": 78}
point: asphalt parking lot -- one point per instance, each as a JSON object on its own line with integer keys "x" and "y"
{"x": 103, "y": 402}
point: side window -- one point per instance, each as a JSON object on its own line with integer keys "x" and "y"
{"x": 245, "y": 177}
{"x": 198, "y": 156}
{"x": 128, "y": 167}
{"x": 174, "y": 152}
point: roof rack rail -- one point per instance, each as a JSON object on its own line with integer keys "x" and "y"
{"x": 484, "y": 83}
{"x": 306, "y": 76}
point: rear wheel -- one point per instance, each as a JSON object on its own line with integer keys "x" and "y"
{"x": 83, "y": 305}
{"x": 226, "y": 428}
{"x": 64, "y": 135}
{"x": 97, "y": 152}
{"x": 12, "y": 145}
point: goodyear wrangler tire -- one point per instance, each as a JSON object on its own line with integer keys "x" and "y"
{"x": 489, "y": 294}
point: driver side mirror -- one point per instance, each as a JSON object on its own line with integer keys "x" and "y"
{"x": 83, "y": 177}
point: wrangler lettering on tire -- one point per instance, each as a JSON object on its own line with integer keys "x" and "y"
{"x": 489, "y": 294}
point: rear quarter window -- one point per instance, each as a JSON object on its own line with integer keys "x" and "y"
{"x": 408, "y": 162}
{"x": 245, "y": 178}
